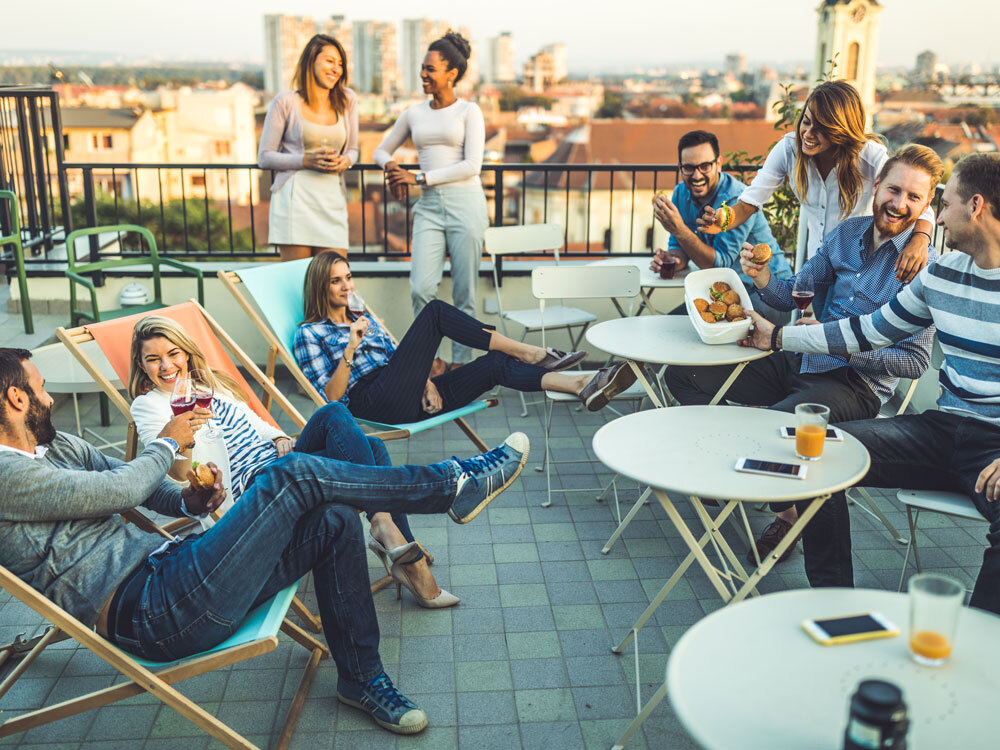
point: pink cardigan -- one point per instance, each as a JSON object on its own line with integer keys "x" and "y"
{"x": 281, "y": 146}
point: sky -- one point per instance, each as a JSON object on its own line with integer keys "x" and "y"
{"x": 600, "y": 35}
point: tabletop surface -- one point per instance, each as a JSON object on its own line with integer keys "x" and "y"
{"x": 692, "y": 450}
{"x": 665, "y": 340}
{"x": 647, "y": 279}
{"x": 783, "y": 690}
{"x": 63, "y": 373}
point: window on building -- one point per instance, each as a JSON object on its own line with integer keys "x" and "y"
{"x": 223, "y": 148}
{"x": 100, "y": 142}
{"x": 106, "y": 140}
{"x": 852, "y": 61}
{"x": 197, "y": 180}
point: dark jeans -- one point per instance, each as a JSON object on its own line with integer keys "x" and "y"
{"x": 776, "y": 382}
{"x": 930, "y": 451}
{"x": 392, "y": 394}
{"x": 298, "y": 515}
{"x": 325, "y": 435}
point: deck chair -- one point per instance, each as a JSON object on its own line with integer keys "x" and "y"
{"x": 581, "y": 282}
{"x": 534, "y": 239}
{"x": 114, "y": 337}
{"x": 276, "y": 309}
{"x": 257, "y": 635}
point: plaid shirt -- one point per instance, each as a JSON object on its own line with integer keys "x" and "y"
{"x": 318, "y": 348}
{"x": 851, "y": 279}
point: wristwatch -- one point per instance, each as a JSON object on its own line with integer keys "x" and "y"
{"x": 348, "y": 362}
{"x": 421, "y": 179}
{"x": 169, "y": 441}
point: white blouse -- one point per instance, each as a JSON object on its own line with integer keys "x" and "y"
{"x": 820, "y": 207}
{"x": 450, "y": 142}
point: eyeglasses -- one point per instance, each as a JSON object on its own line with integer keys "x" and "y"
{"x": 689, "y": 169}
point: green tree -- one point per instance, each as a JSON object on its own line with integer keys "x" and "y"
{"x": 613, "y": 105}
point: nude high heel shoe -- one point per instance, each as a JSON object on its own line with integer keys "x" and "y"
{"x": 404, "y": 555}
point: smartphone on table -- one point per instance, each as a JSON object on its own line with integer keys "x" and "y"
{"x": 771, "y": 468}
{"x": 832, "y": 433}
{"x": 850, "y": 629}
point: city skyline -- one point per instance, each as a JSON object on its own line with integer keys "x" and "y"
{"x": 676, "y": 37}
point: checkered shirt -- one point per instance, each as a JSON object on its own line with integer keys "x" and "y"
{"x": 851, "y": 279}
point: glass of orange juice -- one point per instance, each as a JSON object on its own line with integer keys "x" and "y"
{"x": 935, "y": 601}
{"x": 810, "y": 430}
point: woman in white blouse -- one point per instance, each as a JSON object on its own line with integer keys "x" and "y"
{"x": 451, "y": 214}
{"x": 831, "y": 165}
{"x": 310, "y": 138}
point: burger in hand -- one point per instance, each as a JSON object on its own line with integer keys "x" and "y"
{"x": 761, "y": 253}
{"x": 201, "y": 476}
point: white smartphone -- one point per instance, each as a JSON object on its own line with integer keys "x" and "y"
{"x": 832, "y": 433}
{"x": 850, "y": 629}
{"x": 771, "y": 468}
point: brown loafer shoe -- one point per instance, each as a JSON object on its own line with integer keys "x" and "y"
{"x": 558, "y": 360}
{"x": 605, "y": 385}
{"x": 770, "y": 538}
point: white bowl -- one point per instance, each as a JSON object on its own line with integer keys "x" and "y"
{"x": 697, "y": 285}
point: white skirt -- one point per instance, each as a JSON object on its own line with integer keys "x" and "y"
{"x": 309, "y": 209}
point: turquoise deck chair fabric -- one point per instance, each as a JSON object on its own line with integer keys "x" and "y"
{"x": 262, "y": 622}
{"x": 277, "y": 289}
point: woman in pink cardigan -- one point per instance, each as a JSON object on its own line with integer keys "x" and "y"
{"x": 310, "y": 138}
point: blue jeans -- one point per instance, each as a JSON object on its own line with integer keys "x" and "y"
{"x": 298, "y": 515}
{"x": 930, "y": 451}
{"x": 332, "y": 433}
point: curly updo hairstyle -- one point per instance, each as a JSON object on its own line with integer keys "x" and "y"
{"x": 455, "y": 49}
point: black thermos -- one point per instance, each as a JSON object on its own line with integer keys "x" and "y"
{"x": 877, "y": 719}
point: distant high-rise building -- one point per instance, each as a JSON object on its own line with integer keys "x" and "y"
{"x": 418, "y": 33}
{"x": 284, "y": 39}
{"x": 501, "y": 58}
{"x": 926, "y": 64}
{"x": 736, "y": 63}
{"x": 560, "y": 61}
{"x": 376, "y": 68}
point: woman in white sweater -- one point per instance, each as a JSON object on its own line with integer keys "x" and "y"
{"x": 451, "y": 214}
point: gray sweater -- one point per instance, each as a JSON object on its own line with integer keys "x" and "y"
{"x": 59, "y": 528}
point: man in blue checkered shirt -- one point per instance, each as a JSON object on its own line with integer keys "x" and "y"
{"x": 853, "y": 273}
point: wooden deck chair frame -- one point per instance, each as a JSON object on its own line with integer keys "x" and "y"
{"x": 158, "y": 679}
{"x": 536, "y": 239}
{"x": 279, "y": 350}
{"x": 74, "y": 337}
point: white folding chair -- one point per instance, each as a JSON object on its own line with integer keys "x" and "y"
{"x": 580, "y": 282}
{"x": 537, "y": 239}
{"x": 947, "y": 503}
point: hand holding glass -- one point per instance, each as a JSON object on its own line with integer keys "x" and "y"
{"x": 802, "y": 291}
{"x": 810, "y": 430}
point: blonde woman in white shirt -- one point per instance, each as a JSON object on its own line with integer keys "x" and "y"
{"x": 451, "y": 215}
{"x": 831, "y": 165}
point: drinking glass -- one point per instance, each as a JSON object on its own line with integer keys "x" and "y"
{"x": 204, "y": 392}
{"x": 934, "y": 604}
{"x": 182, "y": 398}
{"x": 810, "y": 430}
{"x": 803, "y": 292}
{"x": 355, "y": 303}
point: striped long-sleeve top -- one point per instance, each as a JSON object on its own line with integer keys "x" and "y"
{"x": 958, "y": 297}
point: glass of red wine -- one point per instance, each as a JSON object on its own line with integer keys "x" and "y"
{"x": 182, "y": 398}
{"x": 204, "y": 392}
{"x": 803, "y": 292}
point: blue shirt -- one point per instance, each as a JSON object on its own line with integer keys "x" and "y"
{"x": 727, "y": 245}
{"x": 853, "y": 278}
{"x": 319, "y": 346}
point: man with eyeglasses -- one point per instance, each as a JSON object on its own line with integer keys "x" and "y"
{"x": 703, "y": 183}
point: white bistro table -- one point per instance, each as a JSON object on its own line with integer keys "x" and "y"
{"x": 692, "y": 450}
{"x": 801, "y": 700}
{"x": 649, "y": 282}
{"x": 63, "y": 373}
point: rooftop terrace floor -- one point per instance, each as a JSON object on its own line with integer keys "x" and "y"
{"x": 523, "y": 661}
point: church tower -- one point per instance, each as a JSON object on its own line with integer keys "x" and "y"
{"x": 849, "y": 30}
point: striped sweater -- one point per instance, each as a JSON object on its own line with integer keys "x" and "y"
{"x": 958, "y": 297}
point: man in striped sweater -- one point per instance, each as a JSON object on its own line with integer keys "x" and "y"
{"x": 957, "y": 447}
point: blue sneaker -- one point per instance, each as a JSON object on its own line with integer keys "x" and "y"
{"x": 384, "y": 703}
{"x": 487, "y": 475}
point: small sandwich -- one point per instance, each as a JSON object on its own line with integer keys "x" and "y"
{"x": 718, "y": 289}
{"x": 717, "y": 310}
{"x": 724, "y": 216}
{"x": 731, "y": 297}
{"x": 761, "y": 253}
{"x": 735, "y": 312}
{"x": 201, "y": 476}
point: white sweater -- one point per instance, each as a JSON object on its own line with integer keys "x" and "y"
{"x": 449, "y": 141}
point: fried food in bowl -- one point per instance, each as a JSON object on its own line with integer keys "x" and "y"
{"x": 735, "y": 312}
{"x": 707, "y": 317}
{"x": 718, "y": 309}
{"x": 732, "y": 297}
{"x": 718, "y": 289}
{"x": 701, "y": 305}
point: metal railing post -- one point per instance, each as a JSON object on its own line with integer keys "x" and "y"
{"x": 90, "y": 212}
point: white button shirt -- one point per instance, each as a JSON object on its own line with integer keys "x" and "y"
{"x": 820, "y": 208}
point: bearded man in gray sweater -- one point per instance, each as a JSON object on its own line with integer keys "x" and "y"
{"x": 60, "y": 532}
